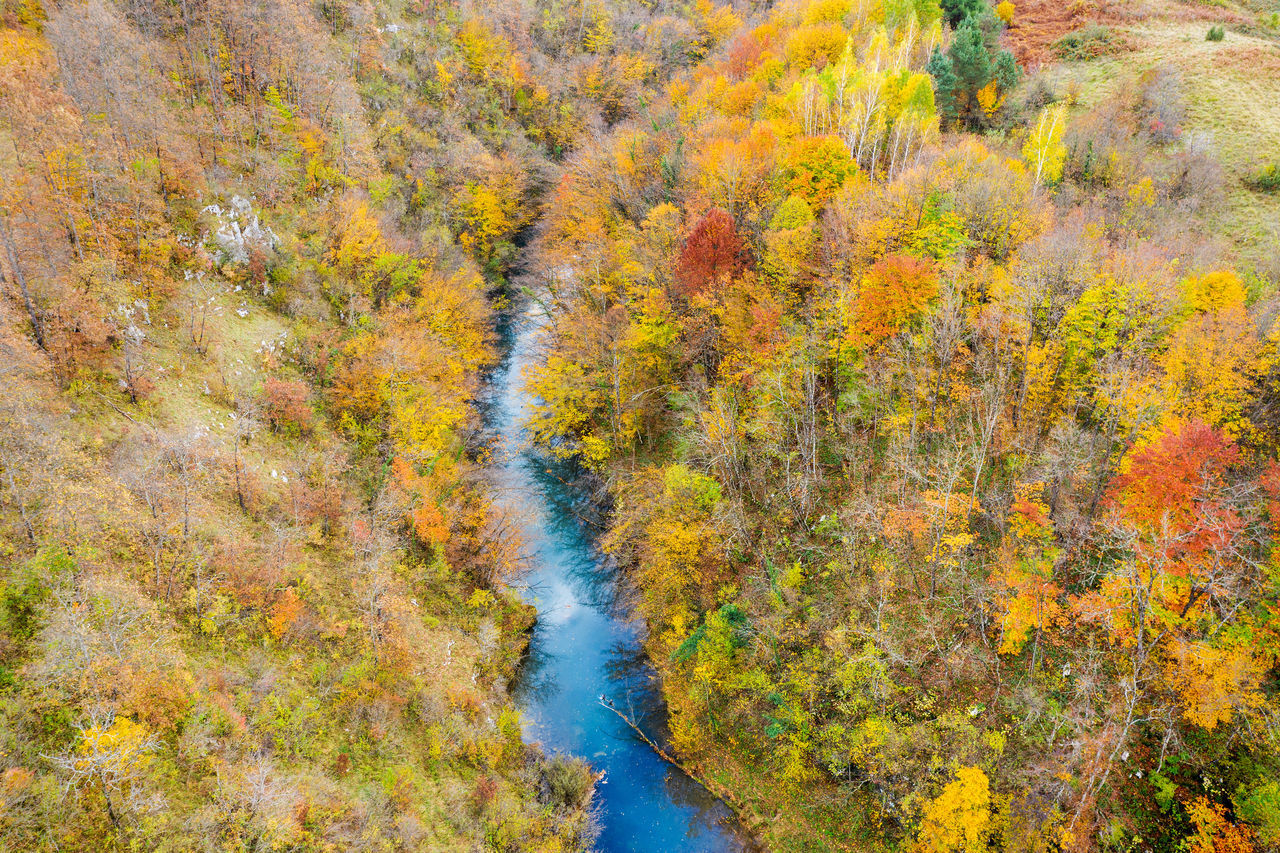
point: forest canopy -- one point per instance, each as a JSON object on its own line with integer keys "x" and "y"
{"x": 924, "y": 354}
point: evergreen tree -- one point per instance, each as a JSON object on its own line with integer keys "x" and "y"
{"x": 944, "y": 86}
{"x": 971, "y": 65}
{"x": 957, "y": 11}
{"x": 1005, "y": 71}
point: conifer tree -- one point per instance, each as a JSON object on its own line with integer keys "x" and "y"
{"x": 944, "y": 85}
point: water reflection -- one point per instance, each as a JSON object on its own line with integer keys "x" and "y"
{"x": 586, "y": 644}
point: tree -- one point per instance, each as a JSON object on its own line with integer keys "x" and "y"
{"x": 713, "y": 253}
{"x": 1044, "y": 149}
{"x": 815, "y": 167}
{"x": 958, "y": 820}
{"x": 958, "y": 11}
{"x": 944, "y": 84}
{"x": 895, "y": 291}
{"x": 972, "y": 79}
{"x": 109, "y": 756}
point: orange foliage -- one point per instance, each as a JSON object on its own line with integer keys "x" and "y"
{"x": 422, "y": 512}
{"x": 285, "y": 613}
{"x": 895, "y": 291}
{"x": 1214, "y": 832}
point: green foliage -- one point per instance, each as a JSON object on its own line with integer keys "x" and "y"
{"x": 945, "y": 81}
{"x": 724, "y": 631}
{"x": 22, "y": 595}
{"x": 1260, "y": 807}
{"x": 1216, "y": 33}
{"x": 686, "y": 485}
{"x": 958, "y": 11}
{"x": 973, "y": 78}
{"x": 567, "y": 782}
{"x": 1085, "y": 43}
{"x": 1265, "y": 179}
{"x": 941, "y": 233}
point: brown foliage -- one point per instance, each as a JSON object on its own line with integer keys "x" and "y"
{"x": 1039, "y": 23}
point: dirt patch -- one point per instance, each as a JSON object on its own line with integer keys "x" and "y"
{"x": 1038, "y": 24}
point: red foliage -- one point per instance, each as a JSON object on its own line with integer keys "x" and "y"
{"x": 714, "y": 252}
{"x": 1173, "y": 489}
{"x": 744, "y": 56}
{"x": 486, "y": 789}
{"x": 287, "y": 404}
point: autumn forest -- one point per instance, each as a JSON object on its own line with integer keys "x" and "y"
{"x": 905, "y": 372}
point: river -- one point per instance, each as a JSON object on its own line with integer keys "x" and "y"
{"x": 587, "y": 643}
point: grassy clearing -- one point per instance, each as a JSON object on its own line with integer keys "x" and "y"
{"x": 1232, "y": 98}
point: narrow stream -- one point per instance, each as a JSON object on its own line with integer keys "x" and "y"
{"x": 587, "y": 643}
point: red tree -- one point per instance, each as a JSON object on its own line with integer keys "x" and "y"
{"x": 714, "y": 252}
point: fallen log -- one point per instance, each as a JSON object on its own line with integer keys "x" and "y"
{"x": 750, "y": 819}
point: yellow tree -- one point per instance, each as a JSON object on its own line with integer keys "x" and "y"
{"x": 1044, "y": 150}
{"x": 959, "y": 819}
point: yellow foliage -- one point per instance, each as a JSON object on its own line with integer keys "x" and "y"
{"x": 358, "y": 242}
{"x": 443, "y": 75}
{"x": 492, "y": 212}
{"x": 598, "y": 37}
{"x": 1030, "y": 603}
{"x": 1044, "y": 150}
{"x": 990, "y": 98}
{"x": 123, "y": 734}
{"x": 1215, "y": 291}
{"x": 826, "y": 11}
{"x": 1005, "y": 12}
{"x": 714, "y": 24}
{"x": 19, "y": 48}
{"x": 1210, "y": 353}
{"x": 815, "y": 46}
{"x": 1216, "y": 682}
{"x": 959, "y": 820}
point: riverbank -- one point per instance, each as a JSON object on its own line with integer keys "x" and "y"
{"x": 587, "y": 642}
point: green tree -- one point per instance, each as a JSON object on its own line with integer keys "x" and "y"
{"x": 972, "y": 78}
{"x": 958, "y": 11}
{"x": 944, "y": 84}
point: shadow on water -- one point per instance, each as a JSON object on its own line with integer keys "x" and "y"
{"x": 587, "y": 642}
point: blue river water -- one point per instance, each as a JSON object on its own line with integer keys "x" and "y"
{"x": 587, "y": 642}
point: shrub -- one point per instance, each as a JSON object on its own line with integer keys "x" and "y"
{"x": 1216, "y": 33}
{"x": 1194, "y": 178}
{"x": 1004, "y": 12}
{"x": 566, "y": 782}
{"x": 1162, "y": 105}
{"x": 287, "y": 405}
{"x": 1265, "y": 180}
{"x": 1085, "y": 43}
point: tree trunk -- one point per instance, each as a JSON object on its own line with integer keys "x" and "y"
{"x": 37, "y": 324}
